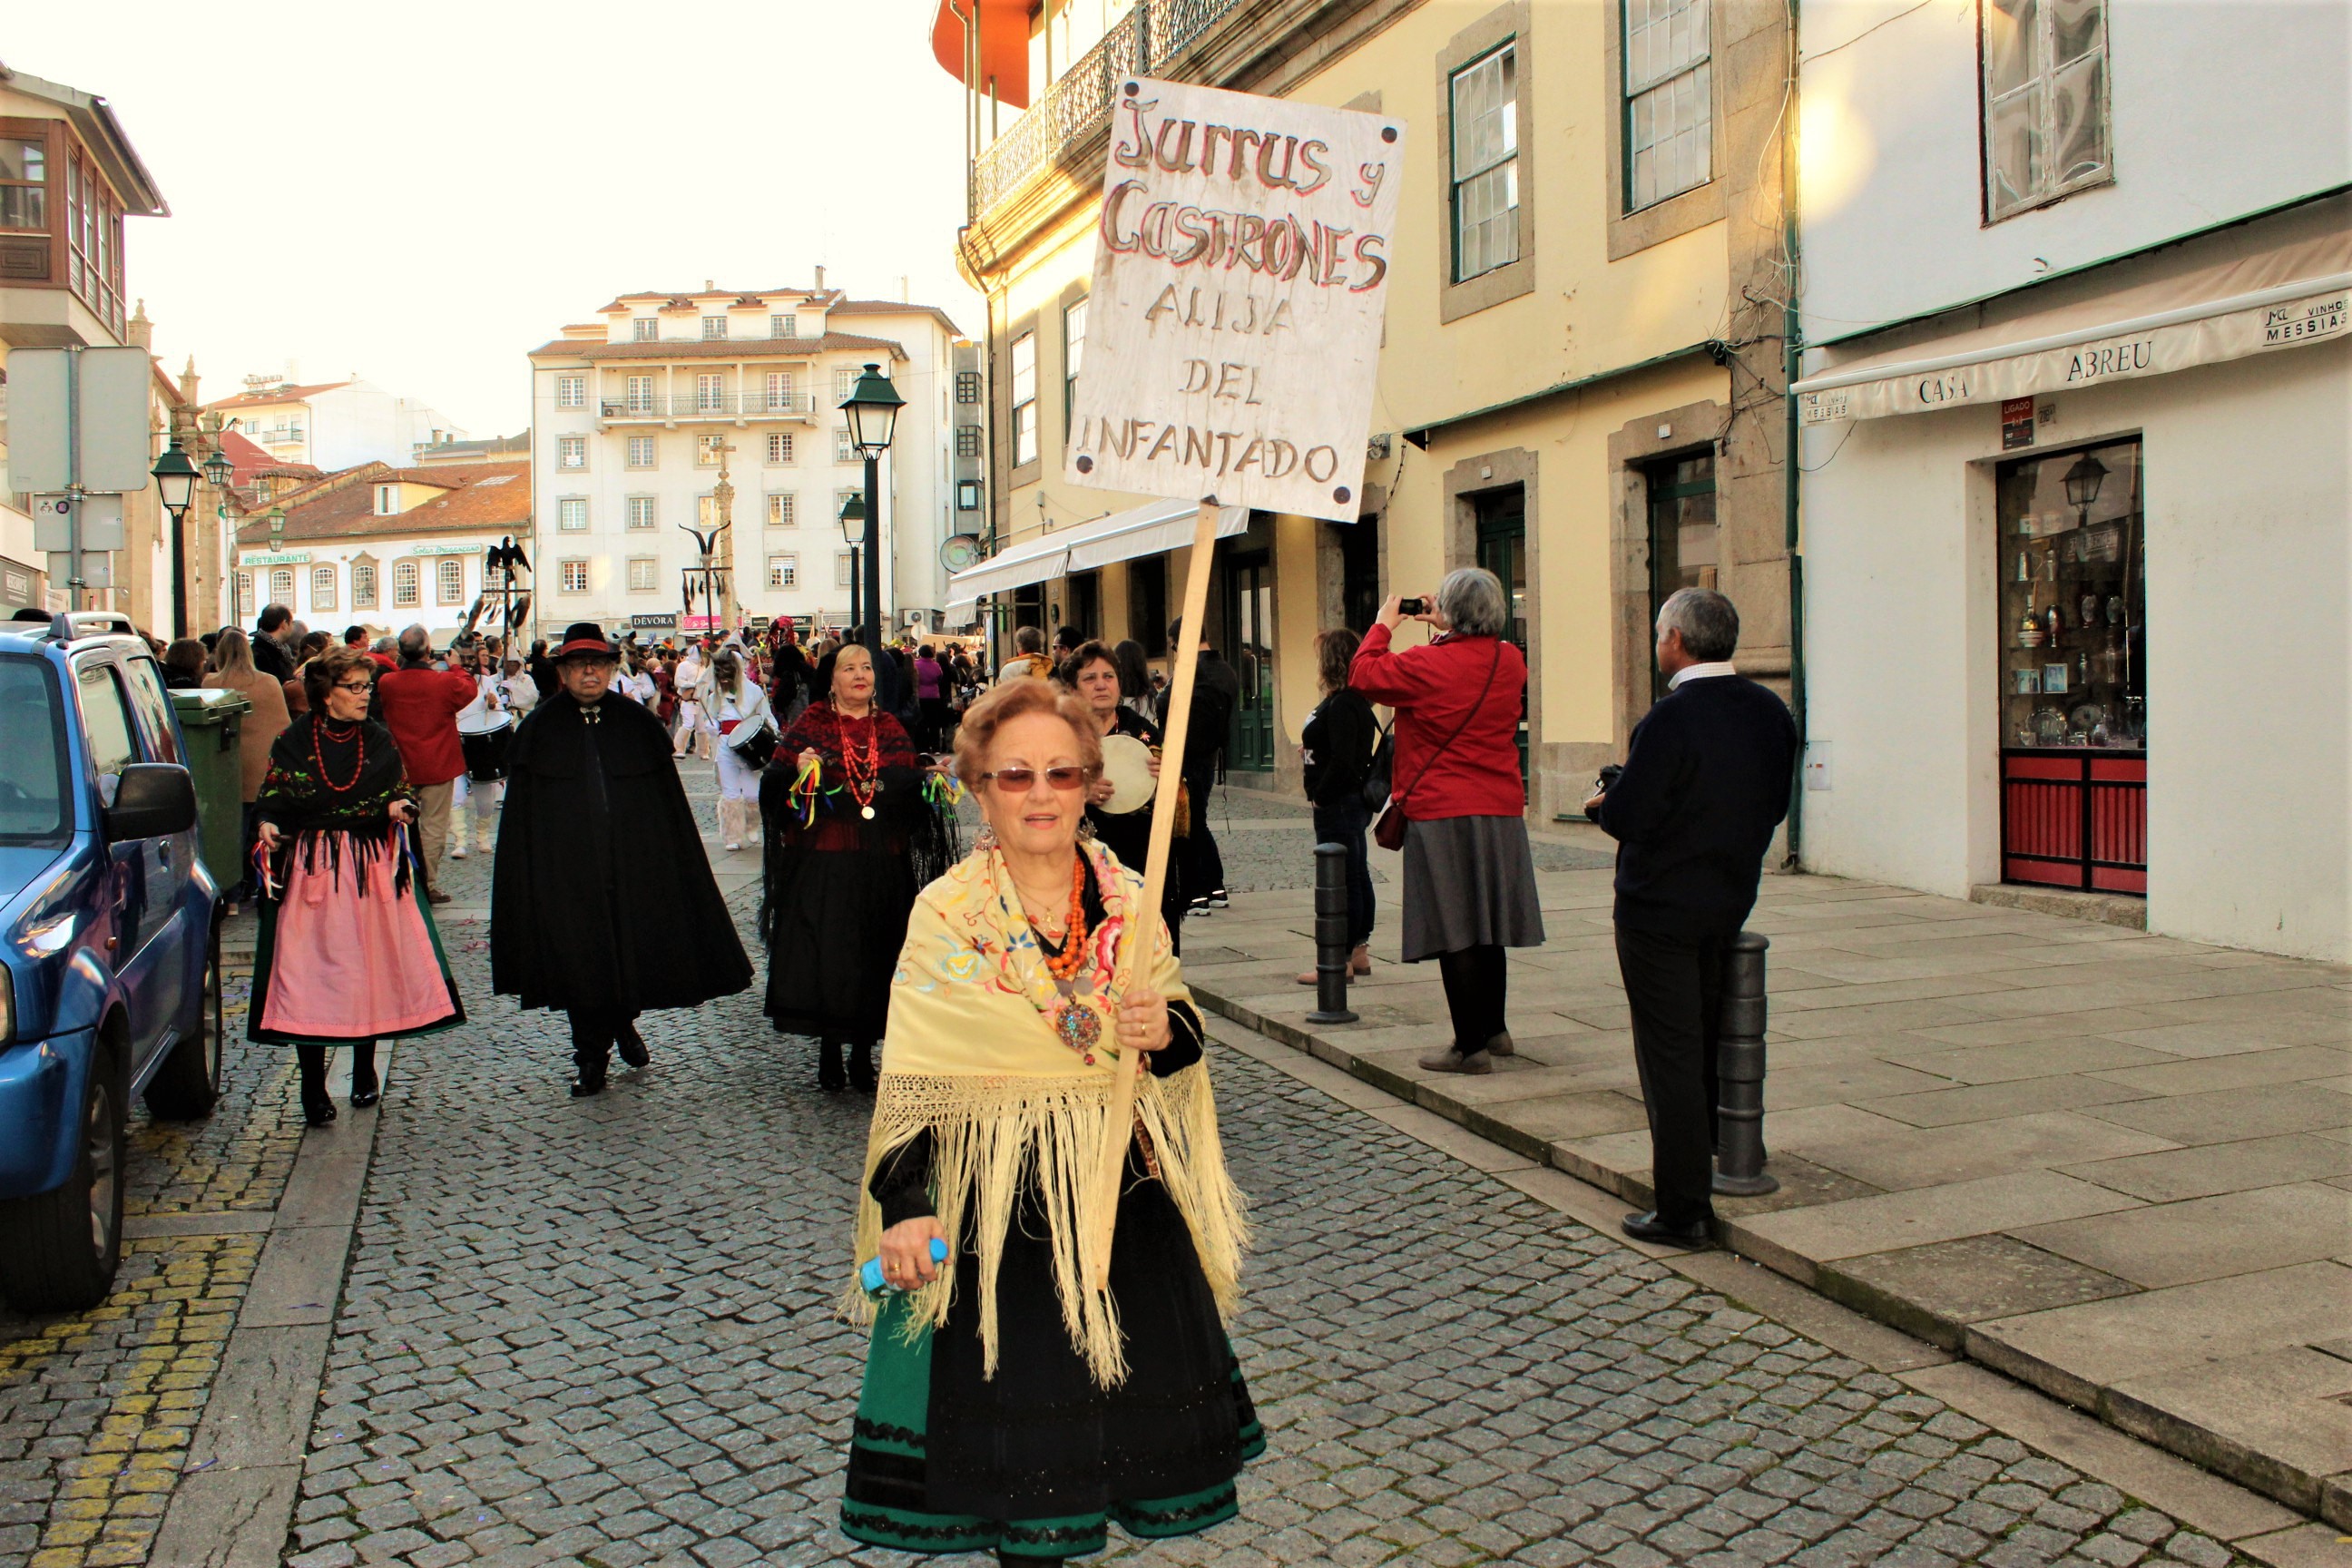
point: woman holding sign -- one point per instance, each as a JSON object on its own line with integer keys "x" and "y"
{"x": 1008, "y": 1403}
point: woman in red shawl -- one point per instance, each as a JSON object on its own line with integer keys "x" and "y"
{"x": 855, "y": 824}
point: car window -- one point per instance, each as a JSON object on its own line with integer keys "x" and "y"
{"x": 33, "y": 788}
{"x": 154, "y": 708}
{"x": 105, "y": 724}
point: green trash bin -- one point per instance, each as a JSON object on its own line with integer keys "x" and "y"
{"x": 211, "y": 722}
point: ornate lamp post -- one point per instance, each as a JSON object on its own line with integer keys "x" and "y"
{"x": 871, "y": 411}
{"x": 175, "y": 481}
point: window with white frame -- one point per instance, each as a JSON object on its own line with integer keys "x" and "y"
{"x": 2046, "y": 102}
{"x": 780, "y": 392}
{"x": 709, "y": 396}
{"x": 844, "y": 382}
{"x": 1485, "y": 102}
{"x": 387, "y": 499}
{"x": 780, "y": 447}
{"x": 784, "y": 511}
{"x": 709, "y": 451}
{"x": 1669, "y": 100}
{"x": 571, "y": 391}
{"x": 645, "y": 573}
{"x": 843, "y": 451}
{"x": 645, "y": 330}
{"x": 714, "y": 327}
{"x": 281, "y": 587}
{"x": 639, "y": 397}
{"x": 572, "y": 451}
{"x": 405, "y": 591}
{"x": 449, "y": 578}
{"x": 641, "y": 451}
{"x": 641, "y": 512}
{"x": 322, "y": 588}
{"x": 571, "y": 514}
{"x": 571, "y": 576}
{"x": 783, "y": 571}
{"x": 363, "y": 585}
{"x": 1073, "y": 347}
{"x": 842, "y": 577}
{"x": 784, "y": 326}
{"x": 1024, "y": 399}
{"x": 244, "y": 605}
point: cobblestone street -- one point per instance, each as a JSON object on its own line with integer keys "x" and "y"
{"x": 600, "y": 1333}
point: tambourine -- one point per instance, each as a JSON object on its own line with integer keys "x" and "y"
{"x": 1127, "y": 764}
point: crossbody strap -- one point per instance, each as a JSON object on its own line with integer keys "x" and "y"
{"x": 1431, "y": 760}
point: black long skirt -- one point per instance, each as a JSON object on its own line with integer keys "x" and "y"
{"x": 1039, "y": 1460}
{"x": 841, "y": 918}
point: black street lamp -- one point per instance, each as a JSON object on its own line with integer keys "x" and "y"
{"x": 853, "y": 533}
{"x": 872, "y": 411}
{"x": 175, "y": 481}
{"x": 2082, "y": 482}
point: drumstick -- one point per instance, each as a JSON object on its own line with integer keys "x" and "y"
{"x": 1138, "y": 957}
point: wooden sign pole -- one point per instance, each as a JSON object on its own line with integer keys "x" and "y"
{"x": 1136, "y": 954}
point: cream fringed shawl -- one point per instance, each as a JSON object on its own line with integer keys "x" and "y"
{"x": 970, "y": 1056}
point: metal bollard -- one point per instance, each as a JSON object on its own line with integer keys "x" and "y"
{"x": 1739, "y": 1073}
{"x": 1331, "y": 936}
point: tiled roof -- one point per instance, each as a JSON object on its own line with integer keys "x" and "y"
{"x": 720, "y": 347}
{"x": 248, "y": 461}
{"x": 477, "y": 498}
{"x": 278, "y": 395}
{"x": 817, "y": 296}
{"x": 892, "y": 306}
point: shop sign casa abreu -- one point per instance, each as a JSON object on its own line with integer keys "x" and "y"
{"x": 1233, "y": 331}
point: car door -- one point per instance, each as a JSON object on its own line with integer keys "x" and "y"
{"x": 137, "y": 897}
{"x": 170, "y": 861}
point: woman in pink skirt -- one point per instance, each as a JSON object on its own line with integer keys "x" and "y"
{"x": 348, "y": 953}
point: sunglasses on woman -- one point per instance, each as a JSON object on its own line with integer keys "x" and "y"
{"x": 1017, "y": 781}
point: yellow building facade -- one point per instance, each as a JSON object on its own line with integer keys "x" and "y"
{"x": 1581, "y": 385}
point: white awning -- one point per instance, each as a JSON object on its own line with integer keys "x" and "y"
{"x": 1151, "y": 529}
{"x": 2296, "y": 294}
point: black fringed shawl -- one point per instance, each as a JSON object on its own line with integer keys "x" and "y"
{"x": 324, "y": 819}
{"x": 911, "y": 814}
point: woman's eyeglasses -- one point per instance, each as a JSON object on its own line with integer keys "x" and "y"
{"x": 1018, "y": 780}
{"x": 355, "y": 686}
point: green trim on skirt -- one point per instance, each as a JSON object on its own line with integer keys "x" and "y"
{"x": 893, "y": 1408}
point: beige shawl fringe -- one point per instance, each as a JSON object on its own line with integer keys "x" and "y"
{"x": 985, "y": 1132}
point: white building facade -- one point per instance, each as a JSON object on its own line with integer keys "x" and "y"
{"x": 333, "y": 425}
{"x": 2076, "y": 427}
{"x": 636, "y": 419}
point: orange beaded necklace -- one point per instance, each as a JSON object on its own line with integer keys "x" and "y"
{"x": 1065, "y": 964}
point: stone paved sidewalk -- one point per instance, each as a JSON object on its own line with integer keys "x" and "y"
{"x": 2111, "y": 1164}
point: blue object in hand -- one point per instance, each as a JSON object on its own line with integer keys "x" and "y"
{"x": 871, "y": 1275}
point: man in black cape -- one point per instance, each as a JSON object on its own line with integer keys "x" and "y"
{"x": 595, "y": 840}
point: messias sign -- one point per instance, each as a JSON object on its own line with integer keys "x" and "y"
{"x": 1234, "y": 332}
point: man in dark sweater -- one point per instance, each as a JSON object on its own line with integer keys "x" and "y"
{"x": 1705, "y": 782}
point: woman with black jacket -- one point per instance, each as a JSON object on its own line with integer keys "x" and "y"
{"x": 1336, "y": 747}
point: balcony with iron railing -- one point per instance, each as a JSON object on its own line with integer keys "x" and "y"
{"x": 1079, "y": 103}
{"x": 693, "y": 406}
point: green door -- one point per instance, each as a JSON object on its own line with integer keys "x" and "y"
{"x": 1685, "y": 550}
{"x": 1503, "y": 550}
{"x": 1249, "y": 611}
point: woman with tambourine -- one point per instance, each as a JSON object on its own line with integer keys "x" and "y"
{"x": 739, "y": 720}
{"x": 1119, "y": 801}
{"x": 856, "y": 820}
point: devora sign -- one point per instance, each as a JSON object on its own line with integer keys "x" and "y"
{"x": 1234, "y": 332}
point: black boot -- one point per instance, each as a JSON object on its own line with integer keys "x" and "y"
{"x": 592, "y": 1053}
{"x": 365, "y": 1090}
{"x": 317, "y": 1109}
{"x": 631, "y": 1046}
{"x": 861, "y": 1067}
{"x": 829, "y": 1076}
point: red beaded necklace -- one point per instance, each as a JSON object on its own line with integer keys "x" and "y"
{"x": 863, "y": 773}
{"x": 358, "y": 736}
{"x": 1065, "y": 964}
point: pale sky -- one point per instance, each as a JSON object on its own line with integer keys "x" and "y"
{"x": 423, "y": 193}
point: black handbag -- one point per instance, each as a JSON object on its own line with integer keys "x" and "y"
{"x": 1375, "y": 792}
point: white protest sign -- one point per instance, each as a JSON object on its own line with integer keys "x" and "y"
{"x": 1241, "y": 266}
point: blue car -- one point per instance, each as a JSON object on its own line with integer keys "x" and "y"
{"x": 108, "y": 948}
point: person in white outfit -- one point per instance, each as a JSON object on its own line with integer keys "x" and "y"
{"x": 736, "y": 708}
{"x": 687, "y": 684}
{"x": 521, "y": 692}
{"x": 479, "y": 789}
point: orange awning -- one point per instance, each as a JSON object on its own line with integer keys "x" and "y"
{"x": 1004, "y": 44}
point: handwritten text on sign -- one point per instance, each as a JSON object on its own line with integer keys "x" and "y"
{"x": 1233, "y": 334}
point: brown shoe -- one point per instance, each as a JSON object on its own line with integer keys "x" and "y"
{"x": 1501, "y": 1045}
{"x": 436, "y": 896}
{"x": 1360, "y": 961}
{"x": 1450, "y": 1061}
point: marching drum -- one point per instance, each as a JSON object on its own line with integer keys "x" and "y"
{"x": 1127, "y": 764}
{"x": 486, "y": 754}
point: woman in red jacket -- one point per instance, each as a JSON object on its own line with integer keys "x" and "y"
{"x": 1469, "y": 879}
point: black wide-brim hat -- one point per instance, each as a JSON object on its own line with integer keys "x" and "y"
{"x": 585, "y": 639}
